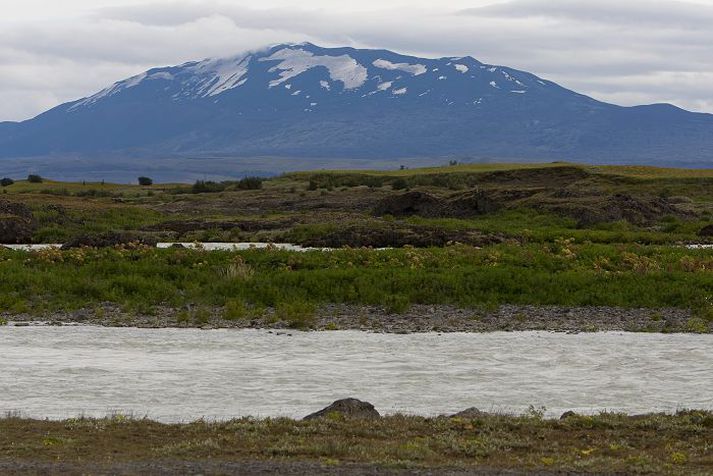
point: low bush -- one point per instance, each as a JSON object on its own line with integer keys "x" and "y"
{"x": 298, "y": 314}
{"x": 203, "y": 186}
{"x": 250, "y": 183}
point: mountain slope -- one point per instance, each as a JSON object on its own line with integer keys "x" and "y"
{"x": 307, "y": 101}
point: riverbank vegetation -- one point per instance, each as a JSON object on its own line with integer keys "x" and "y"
{"x": 564, "y": 273}
{"x": 605, "y": 443}
{"x": 470, "y": 236}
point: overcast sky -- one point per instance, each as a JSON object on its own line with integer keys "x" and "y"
{"x": 622, "y": 51}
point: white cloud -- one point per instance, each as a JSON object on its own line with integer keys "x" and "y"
{"x": 628, "y": 52}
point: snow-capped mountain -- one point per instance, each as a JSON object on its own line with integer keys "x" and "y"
{"x": 300, "y": 100}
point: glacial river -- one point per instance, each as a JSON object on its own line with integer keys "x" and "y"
{"x": 182, "y": 375}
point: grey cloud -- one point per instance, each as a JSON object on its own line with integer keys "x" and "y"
{"x": 666, "y": 14}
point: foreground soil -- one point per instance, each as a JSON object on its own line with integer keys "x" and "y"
{"x": 417, "y": 318}
{"x": 484, "y": 444}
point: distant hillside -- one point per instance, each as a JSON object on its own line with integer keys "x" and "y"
{"x": 306, "y": 102}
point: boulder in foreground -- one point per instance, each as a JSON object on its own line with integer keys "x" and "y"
{"x": 469, "y": 413}
{"x": 349, "y": 407}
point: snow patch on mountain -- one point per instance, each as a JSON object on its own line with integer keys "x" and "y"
{"x": 110, "y": 91}
{"x": 414, "y": 69}
{"x": 462, "y": 68}
{"x": 294, "y": 62}
{"x": 161, "y": 75}
{"x": 220, "y": 75}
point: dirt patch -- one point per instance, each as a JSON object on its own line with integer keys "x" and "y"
{"x": 296, "y": 468}
{"x": 417, "y": 318}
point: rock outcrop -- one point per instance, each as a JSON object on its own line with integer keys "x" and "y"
{"x": 469, "y": 413}
{"x": 348, "y": 407}
{"x": 17, "y": 223}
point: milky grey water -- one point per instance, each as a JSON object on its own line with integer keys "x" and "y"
{"x": 179, "y": 375}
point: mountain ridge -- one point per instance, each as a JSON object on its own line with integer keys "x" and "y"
{"x": 302, "y": 100}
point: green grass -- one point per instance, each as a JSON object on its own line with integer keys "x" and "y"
{"x": 563, "y": 273}
{"x": 535, "y": 226}
{"x": 58, "y": 227}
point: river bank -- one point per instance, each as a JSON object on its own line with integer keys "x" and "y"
{"x": 415, "y": 319}
{"x": 484, "y": 444}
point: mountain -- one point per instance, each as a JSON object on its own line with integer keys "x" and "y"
{"x": 301, "y": 101}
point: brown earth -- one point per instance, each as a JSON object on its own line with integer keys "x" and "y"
{"x": 418, "y": 318}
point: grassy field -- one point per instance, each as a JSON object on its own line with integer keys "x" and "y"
{"x": 525, "y": 202}
{"x": 606, "y": 443}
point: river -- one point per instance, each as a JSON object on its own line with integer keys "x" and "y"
{"x": 184, "y": 374}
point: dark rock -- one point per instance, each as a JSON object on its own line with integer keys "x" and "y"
{"x": 411, "y": 203}
{"x": 471, "y": 204}
{"x": 17, "y": 209}
{"x": 81, "y": 316}
{"x": 15, "y": 230}
{"x": 178, "y": 245}
{"x": 187, "y": 226}
{"x": 349, "y": 407}
{"x": 537, "y": 177}
{"x": 622, "y": 206}
{"x": 104, "y": 240}
{"x": 706, "y": 231}
{"x": 396, "y": 236}
{"x": 568, "y": 414}
{"x": 471, "y": 412}
{"x": 17, "y": 223}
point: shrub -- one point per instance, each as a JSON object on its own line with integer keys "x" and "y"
{"x": 250, "y": 183}
{"x": 297, "y": 314}
{"x": 399, "y": 184}
{"x": 201, "y": 315}
{"x": 235, "y": 310}
{"x": 238, "y": 269}
{"x": 697, "y": 325}
{"x": 145, "y": 181}
{"x": 206, "y": 186}
{"x": 397, "y": 304}
{"x": 32, "y": 178}
{"x": 6, "y": 182}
